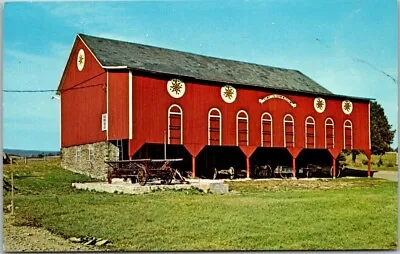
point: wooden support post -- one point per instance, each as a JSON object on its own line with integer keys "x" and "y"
{"x": 12, "y": 191}
{"x": 193, "y": 167}
{"x": 333, "y": 167}
{"x": 294, "y": 167}
{"x": 247, "y": 167}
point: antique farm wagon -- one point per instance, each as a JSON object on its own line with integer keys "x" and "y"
{"x": 122, "y": 100}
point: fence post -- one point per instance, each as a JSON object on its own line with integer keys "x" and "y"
{"x": 12, "y": 191}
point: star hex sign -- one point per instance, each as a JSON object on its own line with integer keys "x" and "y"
{"x": 176, "y": 88}
{"x": 80, "y": 59}
{"x": 319, "y": 104}
{"x": 347, "y": 107}
{"x": 228, "y": 94}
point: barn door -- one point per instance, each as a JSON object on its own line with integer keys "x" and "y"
{"x": 175, "y": 128}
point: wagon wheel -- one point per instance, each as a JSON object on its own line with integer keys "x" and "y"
{"x": 169, "y": 177}
{"x": 231, "y": 173}
{"x": 268, "y": 171}
{"x": 142, "y": 176}
{"x": 308, "y": 173}
{"x": 215, "y": 173}
{"x": 338, "y": 171}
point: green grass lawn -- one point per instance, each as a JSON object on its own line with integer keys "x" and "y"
{"x": 389, "y": 162}
{"x": 341, "y": 214}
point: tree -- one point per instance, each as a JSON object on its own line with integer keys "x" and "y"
{"x": 381, "y": 133}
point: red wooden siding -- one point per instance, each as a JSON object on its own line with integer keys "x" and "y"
{"x": 118, "y": 105}
{"x": 151, "y": 102}
{"x": 83, "y": 97}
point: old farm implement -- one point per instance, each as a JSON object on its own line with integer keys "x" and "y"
{"x": 283, "y": 172}
{"x": 144, "y": 170}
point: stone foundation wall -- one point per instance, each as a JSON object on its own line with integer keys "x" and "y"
{"x": 96, "y": 167}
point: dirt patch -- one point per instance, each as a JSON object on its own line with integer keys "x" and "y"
{"x": 24, "y": 235}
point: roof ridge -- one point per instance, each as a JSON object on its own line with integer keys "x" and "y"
{"x": 154, "y": 59}
{"x": 189, "y": 53}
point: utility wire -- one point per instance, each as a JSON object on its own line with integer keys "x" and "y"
{"x": 356, "y": 59}
{"x": 74, "y": 87}
{"x": 49, "y": 90}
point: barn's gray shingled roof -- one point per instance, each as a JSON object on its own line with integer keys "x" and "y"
{"x": 159, "y": 60}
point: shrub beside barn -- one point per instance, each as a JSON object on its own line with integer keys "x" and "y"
{"x": 122, "y": 100}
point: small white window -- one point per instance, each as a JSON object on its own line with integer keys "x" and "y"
{"x": 91, "y": 152}
{"x": 78, "y": 154}
{"x": 104, "y": 122}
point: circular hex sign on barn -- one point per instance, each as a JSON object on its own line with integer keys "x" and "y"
{"x": 228, "y": 94}
{"x": 319, "y": 104}
{"x": 176, "y": 88}
{"x": 80, "y": 60}
{"x": 347, "y": 107}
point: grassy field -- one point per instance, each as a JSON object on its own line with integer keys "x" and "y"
{"x": 389, "y": 161}
{"x": 341, "y": 214}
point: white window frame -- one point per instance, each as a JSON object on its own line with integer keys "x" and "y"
{"x": 219, "y": 116}
{"x": 344, "y": 133}
{"x": 169, "y": 121}
{"x": 104, "y": 122}
{"x": 333, "y": 132}
{"x": 78, "y": 154}
{"x": 284, "y": 129}
{"x": 305, "y": 130}
{"x": 262, "y": 128}
{"x": 91, "y": 152}
{"x": 237, "y": 126}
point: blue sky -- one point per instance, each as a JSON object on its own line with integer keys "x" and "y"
{"x": 38, "y": 37}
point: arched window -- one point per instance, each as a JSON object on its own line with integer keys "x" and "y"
{"x": 242, "y": 128}
{"x": 175, "y": 124}
{"x": 266, "y": 130}
{"x": 329, "y": 133}
{"x": 348, "y": 134}
{"x": 214, "y": 127}
{"x": 288, "y": 129}
{"x": 310, "y": 132}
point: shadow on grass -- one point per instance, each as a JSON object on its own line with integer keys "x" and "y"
{"x": 356, "y": 172}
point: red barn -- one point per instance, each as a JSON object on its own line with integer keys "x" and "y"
{"x": 124, "y": 100}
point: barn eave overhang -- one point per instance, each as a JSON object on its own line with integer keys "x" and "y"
{"x": 247, "y": 86}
